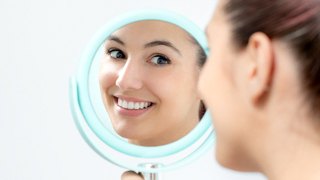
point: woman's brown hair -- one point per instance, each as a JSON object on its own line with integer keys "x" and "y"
{"x": 296, "y": 22}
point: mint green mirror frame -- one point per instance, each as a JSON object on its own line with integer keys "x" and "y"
{"x": 84, "y": 113}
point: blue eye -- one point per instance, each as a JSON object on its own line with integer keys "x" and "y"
{"x": 116, "y": 54}
{"x": 160, "y": 60}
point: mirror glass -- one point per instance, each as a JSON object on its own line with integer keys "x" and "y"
{"x": 148, "y": 74}
{"x": 134, "y": 98}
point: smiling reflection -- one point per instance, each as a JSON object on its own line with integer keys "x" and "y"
{"x": 148, "y": 79}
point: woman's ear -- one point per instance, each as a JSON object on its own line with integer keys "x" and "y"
{"x": 261, "y": 53}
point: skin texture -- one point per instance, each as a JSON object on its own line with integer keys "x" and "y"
{"x": 260, "y": 115}
{"x": 137, "y": 75}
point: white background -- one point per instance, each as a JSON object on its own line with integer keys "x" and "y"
{"x": 40, "y": 44}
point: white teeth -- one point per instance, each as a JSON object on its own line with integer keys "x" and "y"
{"x": 124, "y": 104}
{"x": 136, "y": 105}
{"x": 133, "y": 105}
{"x": 130, "y": 105}
{"x": 141, "y": 105}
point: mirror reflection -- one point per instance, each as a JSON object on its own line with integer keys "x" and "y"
{"x": 148, "y": 80}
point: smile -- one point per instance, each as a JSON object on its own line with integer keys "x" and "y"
{"x": 131, "y": 105}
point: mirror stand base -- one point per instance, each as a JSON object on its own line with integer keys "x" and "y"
{"x": 151, "y": 176}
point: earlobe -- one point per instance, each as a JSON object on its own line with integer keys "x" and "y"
{"x": 261, "y": 72}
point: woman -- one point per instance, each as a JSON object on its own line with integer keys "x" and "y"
{"x": 148, "y": 80}
{"x": 262, "y": 86}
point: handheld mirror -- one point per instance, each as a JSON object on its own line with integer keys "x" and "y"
{"x": 134, "y": 97}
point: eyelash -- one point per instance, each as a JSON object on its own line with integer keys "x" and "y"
{"x": 168, "y": 61}
{"x": 109, "y": 52}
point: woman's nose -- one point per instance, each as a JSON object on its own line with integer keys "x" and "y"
{"x": 129, "y": 76}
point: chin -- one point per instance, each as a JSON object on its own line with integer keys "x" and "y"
{"x": 228, "y": 157}
{"x": 227, "y": 163}
{"x": 232, "y": 158}
{"x": 128, "y": 133}
{"x": 124, "y": 132}
{"x": 223, "y": 158}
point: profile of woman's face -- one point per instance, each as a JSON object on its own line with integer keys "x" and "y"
{"x": 148, "y": 81}
{"x": 217, "y": 85}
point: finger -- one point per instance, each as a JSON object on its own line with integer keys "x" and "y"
{"x": 131, "y": 175}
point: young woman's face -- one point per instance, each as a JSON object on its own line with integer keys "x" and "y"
{"x": 148, "y": 81}
{"x": 218, "y": 86}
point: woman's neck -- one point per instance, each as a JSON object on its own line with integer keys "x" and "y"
{"x": 295, "y": 162}
{"x": 293, "y": 152}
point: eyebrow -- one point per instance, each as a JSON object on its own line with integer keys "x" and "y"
{"x": 116, "y": 39}
{"x": 149, "y": 44}
{"x": 162, "y": 43}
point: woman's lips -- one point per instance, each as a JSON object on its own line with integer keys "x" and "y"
{"x": 131, "y": 106}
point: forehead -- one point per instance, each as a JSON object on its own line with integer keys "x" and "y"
{"x": 152, "y": 29}
{"x": 219, "y": 10}
{"x": 218, "y": 17}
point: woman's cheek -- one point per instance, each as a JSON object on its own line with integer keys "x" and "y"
{"x": 108, "y": 76}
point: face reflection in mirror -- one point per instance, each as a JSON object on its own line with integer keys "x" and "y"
{"x": 148, "y": 80}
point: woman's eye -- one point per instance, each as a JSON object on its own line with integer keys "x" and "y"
{"x": 115, "y": 53}
{"x": 160, "y": 60}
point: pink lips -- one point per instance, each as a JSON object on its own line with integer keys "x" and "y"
{"x": 130, "y": 112}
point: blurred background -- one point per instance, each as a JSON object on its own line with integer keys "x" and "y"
{"x": 41, "y": 43}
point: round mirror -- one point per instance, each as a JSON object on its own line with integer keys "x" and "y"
{"x": 134, "y": 97}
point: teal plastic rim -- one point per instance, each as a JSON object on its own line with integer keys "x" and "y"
{"x": 83, "y": 103}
